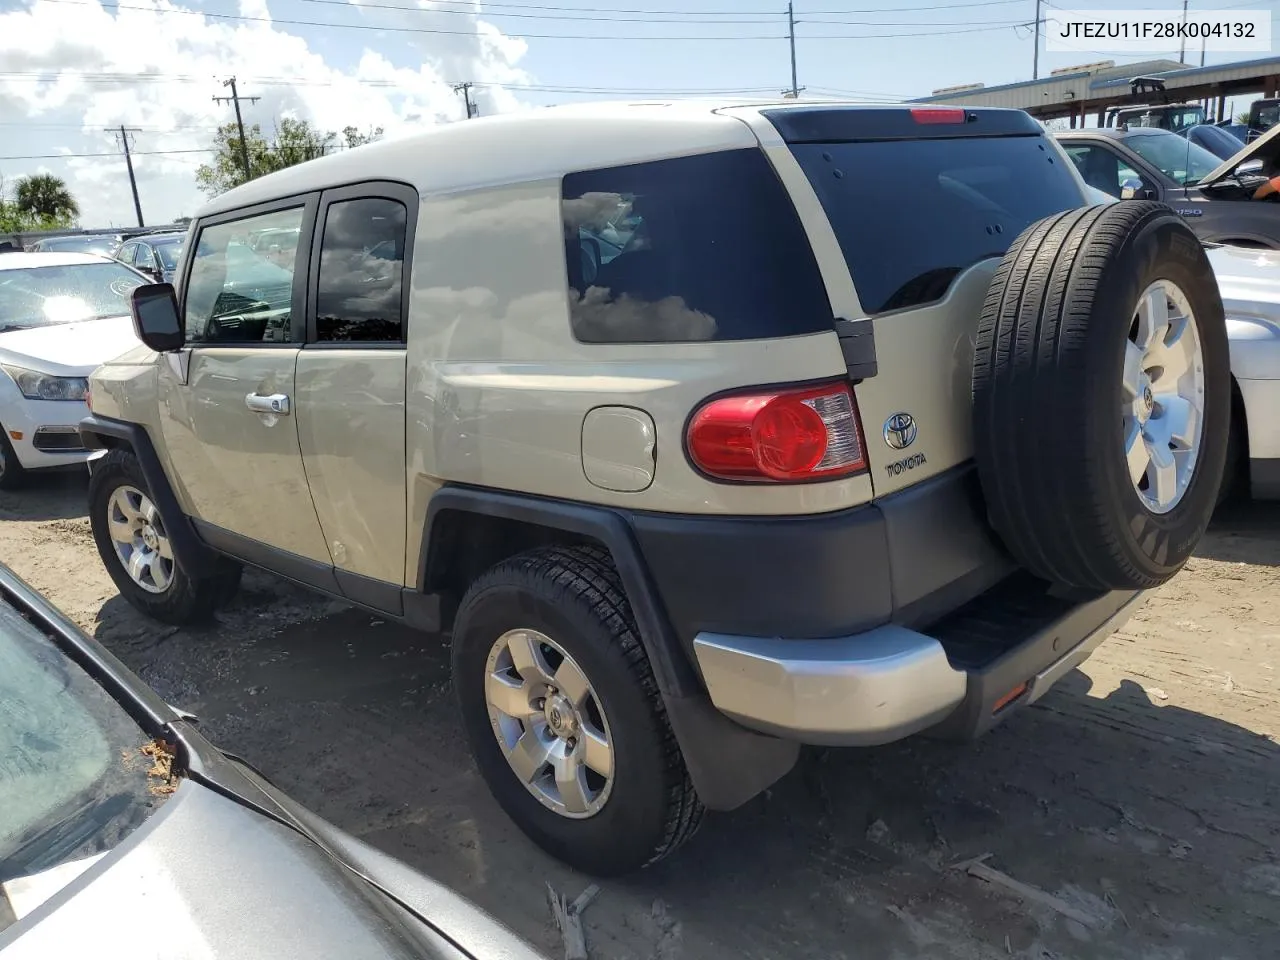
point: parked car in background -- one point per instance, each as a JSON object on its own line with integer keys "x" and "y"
{"x": 105, "y": 245}
{"x": 1249, "y": 284}
{"x": 114, "y": 809}
{"x": 1231, "y": 201}
{"x": 1222, "y": 143}
{"x": 61, "y": 315}
{"x": 155, "y": 254}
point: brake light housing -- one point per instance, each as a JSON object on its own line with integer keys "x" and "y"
{"x": 938, "y": 114}
{"x": 781, "y": 435}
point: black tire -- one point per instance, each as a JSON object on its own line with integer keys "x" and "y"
{"x": 1047, "y": 375}
{"x": 12, "y": 474}
{"x": 573, "y": 594}
{"x": 185, "y": 600}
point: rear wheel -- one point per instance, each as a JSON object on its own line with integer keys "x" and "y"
{"x": 134, "y": 545}
{"x": 1102, "y": 396}
{"x": 564, "y": 716}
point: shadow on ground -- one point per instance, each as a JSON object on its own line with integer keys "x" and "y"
{"x": 56, "y": 495}
{"x": 1244, "y": 532}
{"x": 1159, "y": 824}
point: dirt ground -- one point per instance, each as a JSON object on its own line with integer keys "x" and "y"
{"x": 1143, "y": 793}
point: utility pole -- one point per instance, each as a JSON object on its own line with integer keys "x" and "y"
{"x": 1182, "y": 50}
{"x": 473, "y": 110}
{"x": 791, "y": 34}
{"x": 1035, "y": 57}
{"x": 235, "y": 99}
{"x": 123, "y": 133}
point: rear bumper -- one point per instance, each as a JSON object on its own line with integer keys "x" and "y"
{"x": 889, "y": 682}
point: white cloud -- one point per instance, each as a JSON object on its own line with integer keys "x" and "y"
{"x": 74, "y": 44}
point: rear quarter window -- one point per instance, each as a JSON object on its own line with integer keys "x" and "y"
{"x": 910, "y": 215}
{"x": 698, "y": 248}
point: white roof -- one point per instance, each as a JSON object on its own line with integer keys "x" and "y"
{"x": 52, "y": 258}
{"x": 518, "y": 147}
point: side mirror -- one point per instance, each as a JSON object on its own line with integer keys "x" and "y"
{"x": 155, "y": 316}
{"x": 1132, "y": 189}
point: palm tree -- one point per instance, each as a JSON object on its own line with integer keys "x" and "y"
{"x": 46, "y": 197}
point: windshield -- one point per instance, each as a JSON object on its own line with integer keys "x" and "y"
{"x": 101, "y": 245}
{"x": 74, "y": 780}
{"x": 912, "y": 214}
{"x": 169, "y": 251}
{"x": 1176, "y": 157}
{"x": 39, "y": 296}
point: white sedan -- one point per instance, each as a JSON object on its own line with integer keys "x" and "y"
{"x": 61, "y": 316}
{"x": 1249, "y": 281}
{"x": 1249, "y": 284}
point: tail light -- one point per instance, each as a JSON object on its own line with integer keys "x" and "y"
{"x": 937, "y": 114}
{"x": 780, "y": 435}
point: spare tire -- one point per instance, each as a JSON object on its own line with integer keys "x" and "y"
{"x": 1102, "y": 395}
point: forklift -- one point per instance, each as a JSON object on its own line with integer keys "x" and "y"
{"x": 1178, "y": 117}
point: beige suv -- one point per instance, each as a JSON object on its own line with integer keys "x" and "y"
{"x": 707, "y": 431}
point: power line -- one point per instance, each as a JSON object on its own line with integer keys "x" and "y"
{"x": 947, "y": 29}
{"x": 79, "y": 156}
{"x": 599, "y": 14}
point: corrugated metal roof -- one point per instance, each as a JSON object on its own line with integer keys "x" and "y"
{"x": 1198, "y": 75}
{"x": 1124, "y": 71}
{"x": 1103, "y": 84}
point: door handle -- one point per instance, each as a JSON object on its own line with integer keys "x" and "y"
{"x": 274, "y": 403}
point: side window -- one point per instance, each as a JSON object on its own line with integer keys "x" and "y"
{"x": 706, "y": 247}
{"x": 1101, "y": 168}
{"x": 358, "y": 297}
{"x": 241, "y": 282}
{"x": 126, "y": 253}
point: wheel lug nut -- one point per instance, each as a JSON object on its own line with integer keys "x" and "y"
{"x": 540, "y": 703}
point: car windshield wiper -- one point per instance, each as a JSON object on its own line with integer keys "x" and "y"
{"x": 10, "y": 327}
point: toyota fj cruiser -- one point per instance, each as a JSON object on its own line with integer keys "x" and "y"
{"x": 707, "y": 431}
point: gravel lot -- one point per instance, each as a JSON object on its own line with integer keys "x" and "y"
{"x": 1143, "y": 793}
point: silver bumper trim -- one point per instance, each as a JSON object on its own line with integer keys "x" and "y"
{"x": 873, "y": 687}
{"x": 870, "y": 688}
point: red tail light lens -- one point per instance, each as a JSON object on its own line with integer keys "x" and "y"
{"x": 780, "y": 435}
{"x": 937, "y": 114}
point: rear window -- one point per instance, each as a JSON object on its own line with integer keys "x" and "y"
{"x": 688, "y": 249}
{"x": 911, "y": 215}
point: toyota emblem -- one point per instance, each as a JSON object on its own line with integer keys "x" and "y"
{"x": 900, "y": 431}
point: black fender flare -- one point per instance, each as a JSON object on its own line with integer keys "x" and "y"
{"x": 729, "y": 764}
{"x": 190, "y": 552}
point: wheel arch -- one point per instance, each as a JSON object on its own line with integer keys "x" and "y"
{"x": 469, "y": 529}
{"x": 728, "y": 763}
{"x": 190, "y": 552}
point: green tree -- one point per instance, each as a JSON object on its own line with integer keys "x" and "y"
{"x": 43, "y": 201}
{"x": 292, "y": 142}
{"x": 352, "y": 137}
{"x": 227, "y": 169}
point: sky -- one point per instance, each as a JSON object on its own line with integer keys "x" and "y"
{"x": 70, "y": 69}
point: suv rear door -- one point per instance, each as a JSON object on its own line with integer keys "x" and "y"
{"x": 909, "y": 211}
{"x": 351, "y": 382}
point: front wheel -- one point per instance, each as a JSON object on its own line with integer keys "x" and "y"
{"x": 134, "y": 545}
{"x": 564, "y": 716}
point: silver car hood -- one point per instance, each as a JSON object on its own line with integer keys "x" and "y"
{"x": 207, "y": 878}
